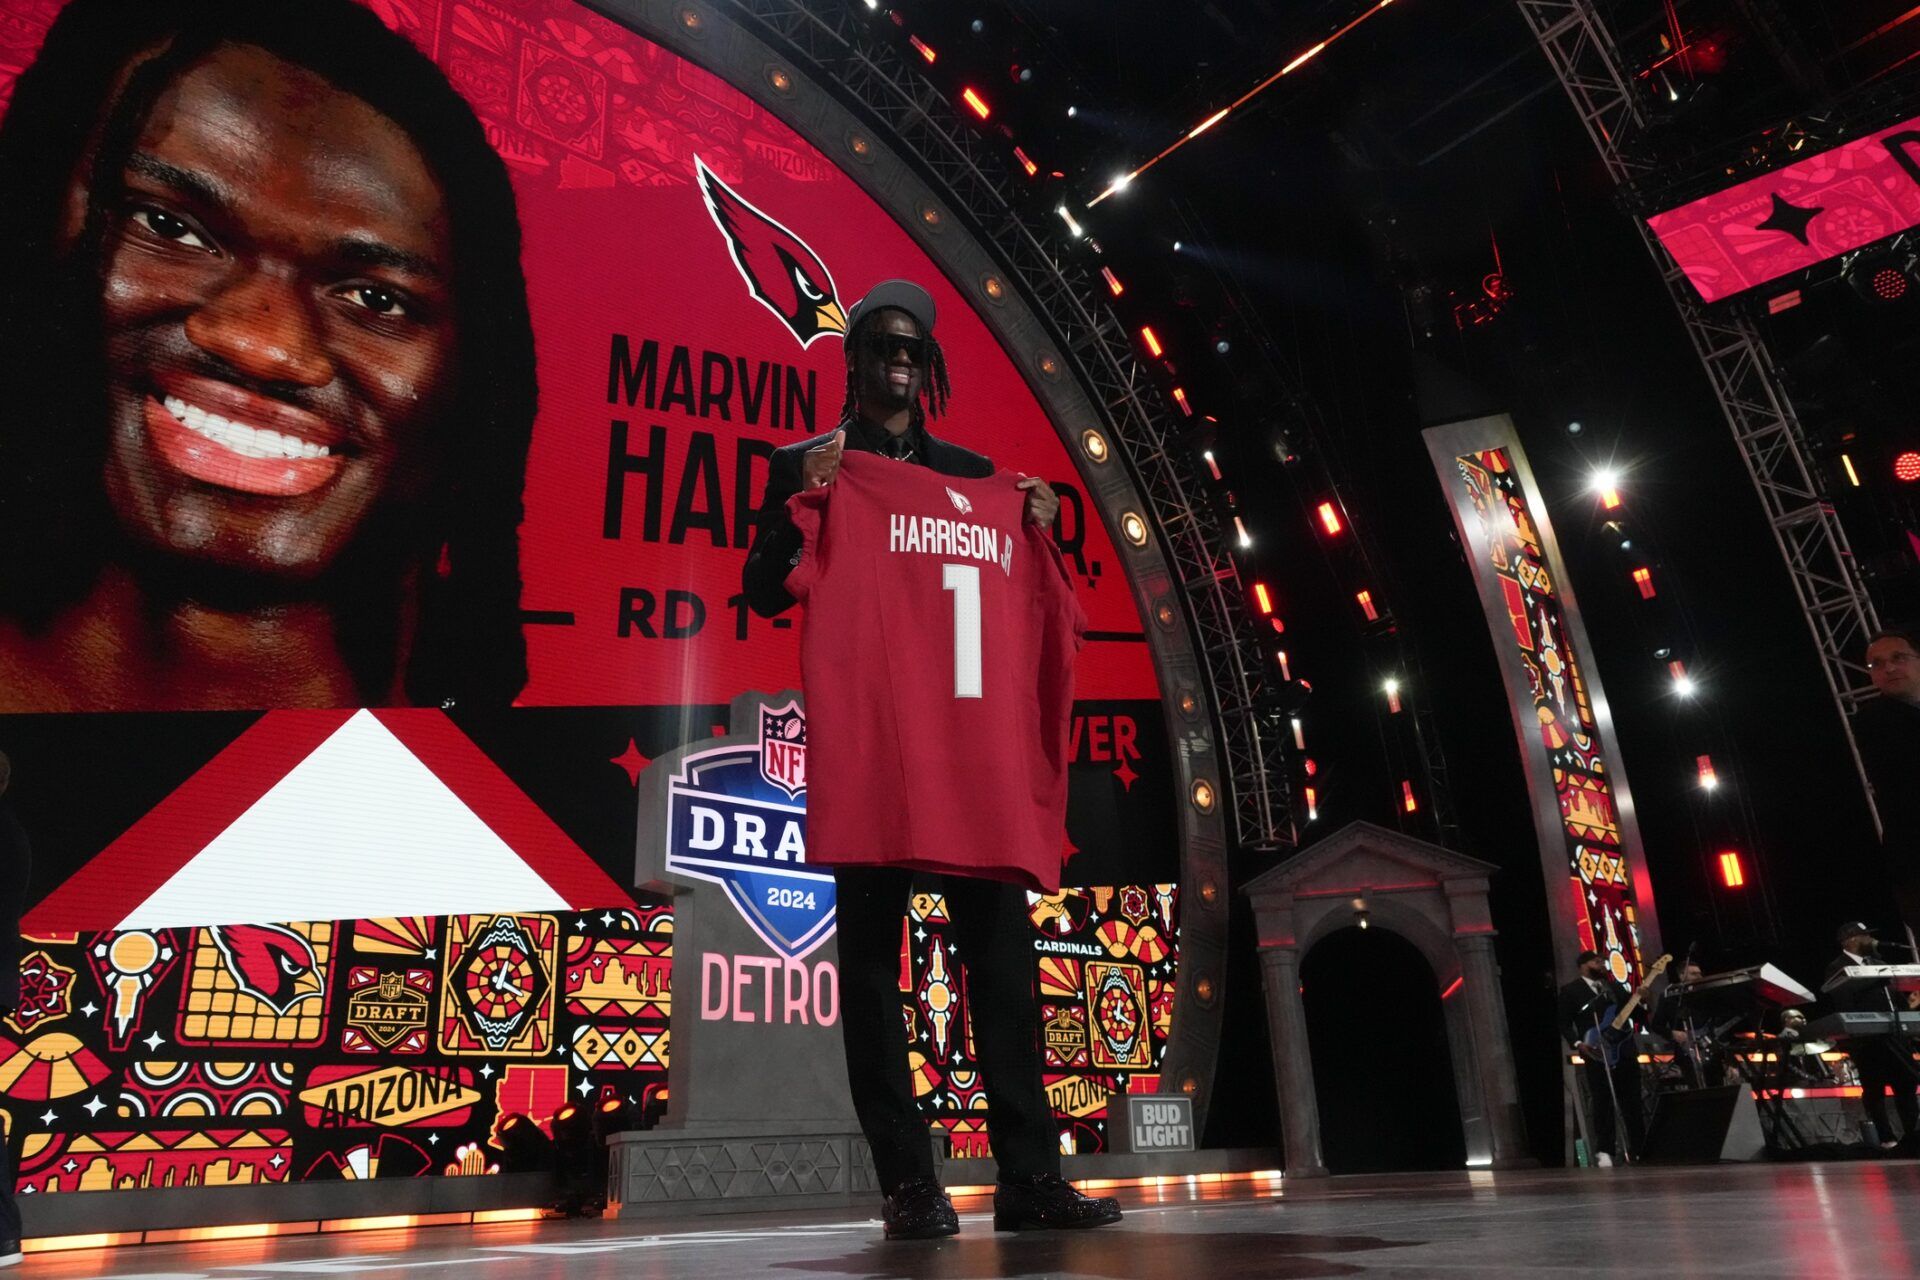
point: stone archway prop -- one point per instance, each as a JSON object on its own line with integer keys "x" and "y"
{"x": 1435, "y": 899}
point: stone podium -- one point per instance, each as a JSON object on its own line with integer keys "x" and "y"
{"x": 758, "y": 1114}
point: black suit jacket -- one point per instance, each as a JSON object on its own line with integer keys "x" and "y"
{"x": 1888, "y": 733}
{"x": 1579, "y": 1006}
{"x": 16, "y": 869}
{"x": 776, "y": 543}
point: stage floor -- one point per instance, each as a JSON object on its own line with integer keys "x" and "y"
{"x": 1860, "y": 1219}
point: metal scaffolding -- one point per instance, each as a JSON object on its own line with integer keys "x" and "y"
{"x": 1820, "y": 563}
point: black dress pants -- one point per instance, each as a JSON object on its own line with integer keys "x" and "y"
{"x": 9, "y": 1211}
{"x": 1881, "y": 1068}
{"x": 1626, "y": 1084}
{"x": 990, "y": 935}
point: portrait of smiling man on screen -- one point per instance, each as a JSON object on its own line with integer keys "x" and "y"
{"x": 267, "y": 370}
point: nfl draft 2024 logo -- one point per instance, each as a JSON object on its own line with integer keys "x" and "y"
{"x": 736, "y": 817}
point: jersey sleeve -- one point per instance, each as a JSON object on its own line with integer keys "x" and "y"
{"x": 808, "y": 511}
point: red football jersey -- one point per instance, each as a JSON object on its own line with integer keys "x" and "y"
{"x": 937, "y": 656}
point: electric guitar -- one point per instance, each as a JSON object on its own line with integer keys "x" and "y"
{"x": 1613, "y": 1029}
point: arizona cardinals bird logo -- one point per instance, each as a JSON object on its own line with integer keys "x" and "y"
{"x": 780, "y": 270}
{"x": 274, "y": 965}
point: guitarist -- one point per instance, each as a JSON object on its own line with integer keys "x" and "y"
{"x": 1696, "y": 1047}
{"x": 1584, "y": 1002}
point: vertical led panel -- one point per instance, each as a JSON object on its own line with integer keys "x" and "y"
{"x": 1598, "y": 893}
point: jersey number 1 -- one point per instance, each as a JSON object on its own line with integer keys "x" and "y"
{"x": 964, "y": 581}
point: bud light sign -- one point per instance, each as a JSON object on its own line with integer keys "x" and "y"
{"x": 737, "y": 817}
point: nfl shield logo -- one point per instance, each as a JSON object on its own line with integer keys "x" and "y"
{"x": 783, "y": 747}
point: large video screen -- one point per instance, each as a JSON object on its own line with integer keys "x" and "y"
{"x": 390, "y": 393}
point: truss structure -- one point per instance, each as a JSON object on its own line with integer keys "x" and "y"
{"x": 1820, "y": 563}
{"x": 835, "y": 39}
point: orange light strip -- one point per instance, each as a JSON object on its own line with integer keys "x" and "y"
{"x": 1329, "y": 518}
{"x": 926, "y": 50}
{"x": 978, "y": 103}
{"x": 1025, "y": 162}
{"x": 1299, "y": 61}
{"x": 1113, "y": 281}
{"x": 267, "y": 1230}
{"x": 1152, "y": 340}
{"x": 1159, "y": 1180}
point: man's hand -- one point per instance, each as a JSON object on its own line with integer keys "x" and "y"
{"x": 1586, "y": 1051}
{"x": 1680, "y": 1037}
{"x": 1043, "y": 504}
{"x": 820, "y": 464}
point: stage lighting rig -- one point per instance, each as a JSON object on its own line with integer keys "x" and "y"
{"x": 1880, "y": 276}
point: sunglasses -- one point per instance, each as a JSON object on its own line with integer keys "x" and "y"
{"x": 883, "y": 345}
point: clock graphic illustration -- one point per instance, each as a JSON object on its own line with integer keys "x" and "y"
{"x": 502, "y": 981}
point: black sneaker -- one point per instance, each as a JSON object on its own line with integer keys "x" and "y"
{"x": 1048, "y": 1202}
{"x": 919, "y": 1209}
{"x": 9, "y": 1252}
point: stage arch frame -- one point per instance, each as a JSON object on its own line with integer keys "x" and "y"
{"x": 818, "y": 69}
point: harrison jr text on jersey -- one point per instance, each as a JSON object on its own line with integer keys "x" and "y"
{"x": 940, "y": 536}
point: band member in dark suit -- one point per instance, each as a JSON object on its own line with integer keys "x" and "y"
{"x": 1583, "y": 1004}
{"x": 1884, "y": 1062}
{"x": 16, "y": 865}
{"x": 1695, "y": 1053}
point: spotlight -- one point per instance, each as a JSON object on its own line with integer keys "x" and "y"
{"x": 1072, "y": 112}
{"x": 1683, "y": 685}
{"x": 1626, "y": 544}
{"x": 1606, "y": 483}
{"x": 523, "y": 1147}
{"x": 1880, "y": 277}
{"x": 1906, "y": 466}
{"x": 1361, "y": 916}
{"x": 579, "y": 1161}
{"x": 1221, "y": 346}
{"x": 1176, "y": 246}
{"x": 976, "y": 26}
{"x": 1019, "y": 74}
{"x": 1574, "y": 428}
{"x": 1072, "y": 226}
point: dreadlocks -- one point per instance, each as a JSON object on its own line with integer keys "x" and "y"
{"x": 55, "y": 523}
{"x": 935, "y": 390}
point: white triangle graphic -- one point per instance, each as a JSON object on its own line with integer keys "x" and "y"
{"x": 359, "y": 828}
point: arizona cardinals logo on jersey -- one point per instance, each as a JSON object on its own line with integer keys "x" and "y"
{"x": 785, "y": 275}
{"x": 274, "y": 965}
{"x": 960, "y": 502}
